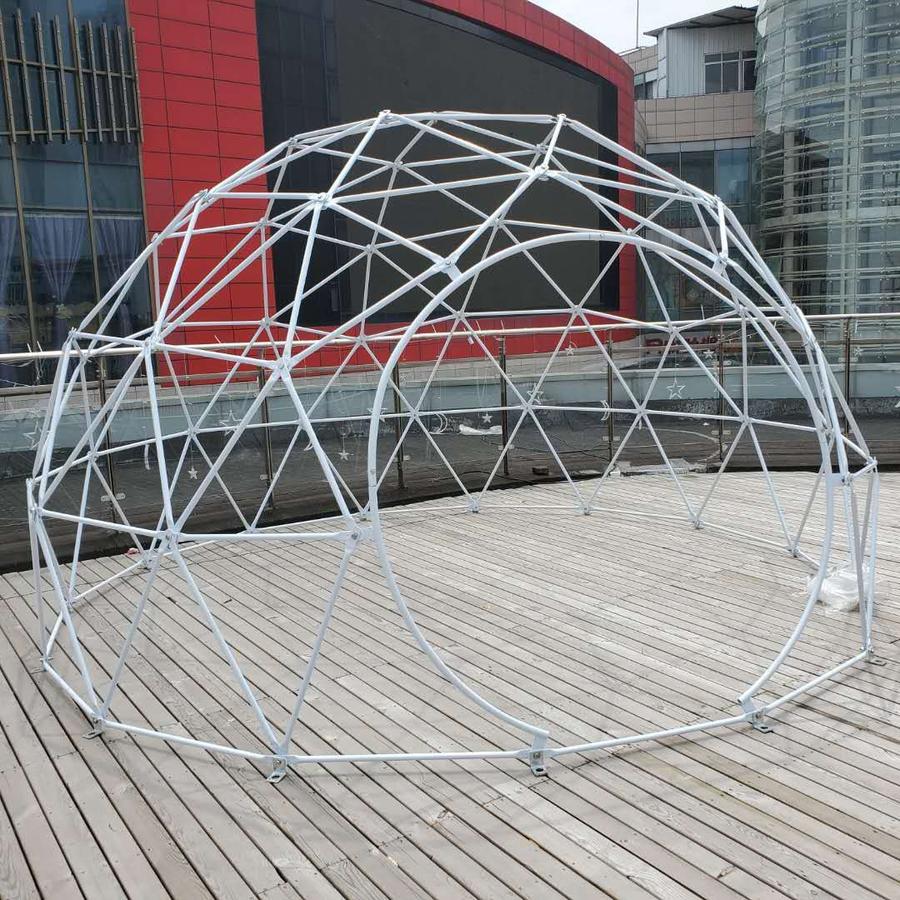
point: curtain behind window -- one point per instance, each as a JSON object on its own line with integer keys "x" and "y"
{"x": 119, "y": 240}
{"x": 57, "y": 246}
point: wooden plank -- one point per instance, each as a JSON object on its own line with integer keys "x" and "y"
{"x": 35, "y": 837}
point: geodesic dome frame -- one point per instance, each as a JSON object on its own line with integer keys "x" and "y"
{"x": 437, "y": 271}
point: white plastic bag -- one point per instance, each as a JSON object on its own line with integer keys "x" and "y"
{"x": 491, "y": 429}
{"x": 839, "y": 591}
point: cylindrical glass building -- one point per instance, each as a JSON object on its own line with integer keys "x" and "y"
{"x": 828, "y": 110}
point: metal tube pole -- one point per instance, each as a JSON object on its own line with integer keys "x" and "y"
{"x": 847, "y": 356}
{"x": 721, "y": 413}
{"x": 504, "y": 412}
{"x": 110, "y": 461}
{"x": 395, "y": 378}
{"x": 267, "y": 435}
{"x": 610, "y": 423}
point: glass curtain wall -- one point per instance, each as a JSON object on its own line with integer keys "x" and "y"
{"x": 70, "y": 187}
{"x": 828, "y": 95}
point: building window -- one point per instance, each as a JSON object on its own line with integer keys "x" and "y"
{"x": 51, "y": 175}
{"x": 732, "y": 179}
{"x": 697, "y": 168}
{"x": 62, "y": 273}
{"x": 15, "y": 326}
{"x": 748, "y": 70}
{"x": 76, "y": 243}
{"x": 70, "y": 188}
{"x": 645, "y": 85}
{"x": 646, "y": 90}
{"x": 732, "y": 71}
{"x": 724, "y": 172}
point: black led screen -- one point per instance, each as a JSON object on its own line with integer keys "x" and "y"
{"x": 329, "y": 61}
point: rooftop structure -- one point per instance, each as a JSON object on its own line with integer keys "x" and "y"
{"x": 728, "y": 15}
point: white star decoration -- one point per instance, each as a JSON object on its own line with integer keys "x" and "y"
{"x": 34, "y": 436}
{"x": 230, "y": 419}
{"x": 676, "y": 390}
{"x": 570, "y": 350}
{"x": 193, "y": 473}
{"x": 486, "y": 418}
{"x": 343, "y": 453}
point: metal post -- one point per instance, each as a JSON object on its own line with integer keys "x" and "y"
{"x": 847, "y": 356}
{"x": 504, "y": 413}
{"x": 395, "y": 378}
{"x": 610, "y": 419}
{"x": 110, "y": 463}
{"x": 720, "y": 353}
{"x": 267, "y": 436}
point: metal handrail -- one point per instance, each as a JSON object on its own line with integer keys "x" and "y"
{"x": 617, "y": 325}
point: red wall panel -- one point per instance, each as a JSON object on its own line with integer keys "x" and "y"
{"x": 201, "y": 104}
{"x": 200, "y": 97}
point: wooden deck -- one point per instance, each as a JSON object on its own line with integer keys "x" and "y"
{"x": 593, "y": 625}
